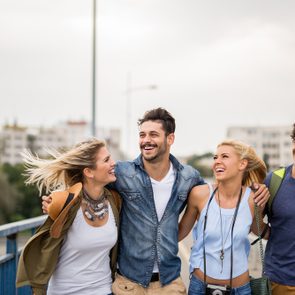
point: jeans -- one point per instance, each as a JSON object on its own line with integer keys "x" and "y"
{"x": 197, "y": 287}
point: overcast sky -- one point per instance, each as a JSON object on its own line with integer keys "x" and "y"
{"x": 216, "y": 64}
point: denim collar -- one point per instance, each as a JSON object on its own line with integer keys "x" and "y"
{"x": 176, "y": 164}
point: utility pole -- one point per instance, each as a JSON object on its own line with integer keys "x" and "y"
{"x": 93, "y": 123}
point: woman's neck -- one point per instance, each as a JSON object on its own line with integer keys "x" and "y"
{"x": 93, "y": 191}
{"x": 229, "y": 190}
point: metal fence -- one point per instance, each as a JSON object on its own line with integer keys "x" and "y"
{"x": 9, "y": 233}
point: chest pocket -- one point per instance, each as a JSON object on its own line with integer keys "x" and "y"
{"x": 182, "y": 196}
{"x": 133, "y": 200}
{"x": 179, "y": 202}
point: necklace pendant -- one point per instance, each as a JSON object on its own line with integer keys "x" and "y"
{"x": 98, "y": 206}
{"x": 221, "y": 255}
{"x": 88, "y": 215}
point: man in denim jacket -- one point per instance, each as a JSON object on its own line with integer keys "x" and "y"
{"x": 154, "y": 188}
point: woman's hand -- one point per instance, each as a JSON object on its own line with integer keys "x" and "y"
{"x": 46, "y": 200}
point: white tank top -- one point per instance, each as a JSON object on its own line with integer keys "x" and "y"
{"x": 241, "y": 244}
{"x": 84, "y": 265}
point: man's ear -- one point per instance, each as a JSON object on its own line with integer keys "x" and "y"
{"x": 170, "y": 138}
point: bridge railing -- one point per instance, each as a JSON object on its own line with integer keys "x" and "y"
{"x": 8, "y": 262}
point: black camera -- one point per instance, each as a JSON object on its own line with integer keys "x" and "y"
{"x": 217, "y": 289}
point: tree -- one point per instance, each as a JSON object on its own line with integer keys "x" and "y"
{"x": 198, "y": 162}
{"x": 266, "y": 160}
{"x": 9, "y": 199}
{"x": 28, "y": 204}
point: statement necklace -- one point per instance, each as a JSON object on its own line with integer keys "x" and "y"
{"x": 231, "y": 227}
{"x": 95, "y": 208}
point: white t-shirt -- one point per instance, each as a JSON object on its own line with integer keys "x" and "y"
{"x": 162, "y": 191}
{"x": 84, "y": 265}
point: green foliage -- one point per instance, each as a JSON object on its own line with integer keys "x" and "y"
{"x": 197, "y": 161}
{"x": 266, "y": 160}
{"x": 17, "y": 200}
{"x": 8, "y": 199}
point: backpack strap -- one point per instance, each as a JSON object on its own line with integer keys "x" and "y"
{"x": 275, "y": 182}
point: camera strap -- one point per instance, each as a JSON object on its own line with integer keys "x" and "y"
{"x": 232, "y": 230}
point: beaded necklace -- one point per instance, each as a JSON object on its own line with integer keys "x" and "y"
{"x": 95, "y": 208}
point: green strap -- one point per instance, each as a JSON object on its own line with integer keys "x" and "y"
{"x": 275, "y": 183}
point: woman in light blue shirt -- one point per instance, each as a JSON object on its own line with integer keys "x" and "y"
{"x": 225, "y": 214}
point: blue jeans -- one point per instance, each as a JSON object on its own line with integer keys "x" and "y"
{"x": 197, "y": 287}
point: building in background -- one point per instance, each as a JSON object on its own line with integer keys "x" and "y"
{"x": 272, "y": 144}
{"x": 14, "y": 139}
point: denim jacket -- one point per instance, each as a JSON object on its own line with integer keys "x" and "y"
{"x": 143, "y": 238}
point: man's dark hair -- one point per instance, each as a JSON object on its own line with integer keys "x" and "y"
{"x": 162, "y": 116}
{"x": 293, "y": 133}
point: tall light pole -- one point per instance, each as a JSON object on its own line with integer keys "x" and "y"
{"x": 129, "y": 91}
{"x": 93, "y": 123}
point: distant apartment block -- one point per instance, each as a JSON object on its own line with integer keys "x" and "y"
{"x": 14, "y": 139}
{"x": 273, "y": 144}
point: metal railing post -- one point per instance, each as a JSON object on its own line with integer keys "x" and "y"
{"x": 8, "y": 261}
{"x": 11, "y": 248}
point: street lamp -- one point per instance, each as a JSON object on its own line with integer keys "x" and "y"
{"x": 93, "y": 70}
{"x": 129, "y": 91}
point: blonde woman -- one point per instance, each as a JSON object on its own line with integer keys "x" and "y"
{"x": 225, "y": 214}
{"x": 74, "y": 251}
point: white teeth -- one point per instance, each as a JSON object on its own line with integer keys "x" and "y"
{"x": 219, "y": 170}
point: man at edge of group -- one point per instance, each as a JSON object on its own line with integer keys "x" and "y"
{"x": 154, "y": 188}
{"x": 280, "y": 248}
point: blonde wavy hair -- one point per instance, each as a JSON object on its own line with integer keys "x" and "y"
{"x": 63, "y": 169}
{"x": 256, "y": 169}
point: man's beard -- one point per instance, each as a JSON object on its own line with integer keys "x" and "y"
{"x": 157, "y": 157}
